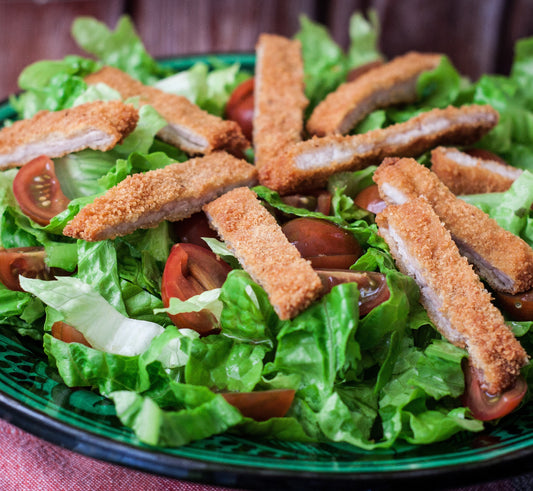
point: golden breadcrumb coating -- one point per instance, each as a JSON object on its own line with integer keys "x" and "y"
{"x": 391, "y": 83}
{"x": 191, "y": 128}
{"x": 172, "y": 193}
{"x": 451, "y": 292}
{"x": 501, "y": 258}
{"x": 466, "y": 174}
{"x": 98, "y": 125}
{"x": 261, "y": 247}
{"x": 309, "y": 164}
{"x": 279, "y": 99}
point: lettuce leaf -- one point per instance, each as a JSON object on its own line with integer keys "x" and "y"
{"x": 121, "y": 48}
{"x": 86, "y": 310}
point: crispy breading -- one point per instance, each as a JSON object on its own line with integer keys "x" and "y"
{"x": 279, "y": 98}
{"x": 466, "y": 174}
{"x": 454, "y": 297}
{"x": 189, "y": 127}
{"x": 98, "y": 125}
{"x": 391, "y": 83}
{"x": 309, "y": 164}
{"x": 501, "y": 258}
{"x": 261, "y": 247}
{"x": 172, "y": 193}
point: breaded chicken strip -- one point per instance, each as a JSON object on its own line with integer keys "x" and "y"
{"x": 391, "y": 83}
{"x": 97, "y": 125}
{"x": 466, "y": 174}
{"x": 309, "y": 164}
{"x": 261, "y": 247}
{"x": 172, "y": 193}
{"x": 454, "y": 297}
{"x": 189, "y": 127}
{"x": 279, "y": 99}
{"x": 501, "y": 258}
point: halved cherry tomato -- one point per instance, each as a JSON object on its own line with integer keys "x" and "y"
{"x": 487, "y": 407}
{"x": 355, "y": 73}
{"x": 325, "y": 244}
{"x": 262, "y": 405}
{"x": 319, "y": 201}
{"x": 240, "y": 107}
{"x": 38, "y": 192}
{"x": 192, "y": 229}
{"x": 373, "y": 288}
{"x": 519, "y": 307}
{"x": 25, "y": 261}
{"x": 67, "y": 333}
{"x": 370, "y": 200}
{"x": 189, "y": 271}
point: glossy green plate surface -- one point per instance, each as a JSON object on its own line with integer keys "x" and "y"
{"x": 33, "y": 397}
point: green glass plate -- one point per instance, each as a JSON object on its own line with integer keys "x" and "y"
{"x": 33, "y": 397}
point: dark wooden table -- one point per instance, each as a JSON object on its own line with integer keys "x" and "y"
{"x": 478, "y": 35}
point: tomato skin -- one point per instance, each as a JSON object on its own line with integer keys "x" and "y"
{"x": 487, "y": 407}
{"x": 325, "y": 244}
{"x": 373, "y": 288}
{"x": 189, "y": 271}
{"x": 318, "y": 201}
{"x": 68, "y": 334}
{"x": 38, "y": 191}
{"x": 240, "y": 107}
{"x": 370, "y": 200}
{"x": 263, "y": 405}
{"x": 192, "y": 229}
{"x": 24, "y": 261}
{"x": 518, "y": 307}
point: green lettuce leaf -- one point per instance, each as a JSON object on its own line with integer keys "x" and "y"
{"x": 121, "y": 48}
{"x": 101, "y": 324}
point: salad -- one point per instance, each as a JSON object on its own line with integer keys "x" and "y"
{"x": 339, "y": 371}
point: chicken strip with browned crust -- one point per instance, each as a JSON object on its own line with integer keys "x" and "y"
{"x": 454, "y": 297}
{"x": 501, "y": 258}
{"x": 391, "y": 83}
{"x": 309, "y": 164}
{"x": 190, "y": 128}
{"x": 279, "y": 99}
{"x": 98, "y": 125}
{"x": 172, "y": 193}
{"x": 468, "y": 174}
{"x": 264, "y": 251}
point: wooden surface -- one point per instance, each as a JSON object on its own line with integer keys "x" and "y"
{"x": 478, "y": 35}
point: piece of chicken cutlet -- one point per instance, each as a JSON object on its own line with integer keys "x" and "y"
{"x": 454, "y": 297}
{"x": 172, "y": 193}
{"x": 97, "y": 125}
{"x": 264, "y": 251}
{"x": 190, "y": 128}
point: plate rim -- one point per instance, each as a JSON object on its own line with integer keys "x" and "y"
{"x": 93, "y": 445}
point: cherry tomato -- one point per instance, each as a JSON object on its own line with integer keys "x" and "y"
{"x": 325, "y": 244}
{"x": 373, "y": 288}
{"x": 38, "y": 192}
{"x": 240, "y": 107}
{"x": 261, "y": 405}
{"x": 487, "y": 407}
{"x": 25, "y": 261}
{"x": 189, "y": 271}
{"x": 370, "y": 200}
{"x": 519, "y": 307}
{"x": 355, "y": 73}
{"x": 67, "y": 333}
{"x": 192, "y": 229}
{"x": 319, "y": 201}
